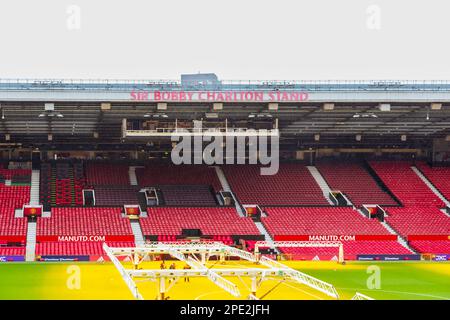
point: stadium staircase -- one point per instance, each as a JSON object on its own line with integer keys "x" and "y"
{"x": 321, "y": 182}
{"x": 400, "y": 239}
{"x": 226, "y": 187}
{"x": 34, "y": 191}
{"x": 137, "y": 232}
{"x": 18, "y": 213}
{"x": 266, "y": 234}
{"x": 430, "y": 185}
{"x": 31, "y": 241}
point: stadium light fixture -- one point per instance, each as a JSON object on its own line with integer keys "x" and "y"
{"x": 155, "y": 115}
{"x": 260, "y": 115}
{"x": 51, "y": 115}
{"x": 365, "y": 115}
{"x": 436, "y": 106}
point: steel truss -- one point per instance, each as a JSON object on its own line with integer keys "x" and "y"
{"x": 360, "y": 296}
{"x": 302, "y": 244}
{"x": 188, "y": 252}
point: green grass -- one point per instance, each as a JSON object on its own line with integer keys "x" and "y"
{"x": 398, "y": 280}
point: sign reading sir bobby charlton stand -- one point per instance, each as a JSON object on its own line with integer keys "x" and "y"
{"x": 219, "y": 96}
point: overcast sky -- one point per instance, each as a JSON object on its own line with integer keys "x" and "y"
{"x": 236, "y": 39}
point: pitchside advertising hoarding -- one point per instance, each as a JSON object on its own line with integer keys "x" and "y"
{"x": 123, "y": 238}
{"x": 383, "y": 237}
{"x": 12, "y": 258}
{"x": 220, "y": 96}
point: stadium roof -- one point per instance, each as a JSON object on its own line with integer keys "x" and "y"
{"x": 380, "y": 111}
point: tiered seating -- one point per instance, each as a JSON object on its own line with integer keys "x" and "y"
{"x": 165, "y": 174}
{"x": 227, "y": 240}
{"x": 63, "y": 185}
{"x": 320, "y": 221}
{"x": 355, "y": 182}
{"x": 116, "y": 195}
{"x": 406, "y": 184}
{"x": 351, "y": 249}
{"x": 11, "y": 198}
{"x": 418, "y": 221}
{"x": 437, "y": 247}
{"x": 211, "y": 221}
{"x": 20, "y": 176}
{"x": 12, "y": 251}
{"x": 179, "y": 195}
{"x": 439, "y": 176}
{"x": 420, "y": 214}
{"x": 292, "y": 185}
{"x": 79, "y": 182}
{"x": 45, "y": 185}
{"x": 107, "y": 174}
{"x": 76, "y": 248}
{"x": 84, "y": 222}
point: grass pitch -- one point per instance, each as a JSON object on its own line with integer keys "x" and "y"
{"x": 397, "y": 280}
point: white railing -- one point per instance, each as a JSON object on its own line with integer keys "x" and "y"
{"x": 203, "y": 131}
{"x": 373, "y": 82}
{"x": 303, "y": 278}
{"x": 360, "y": 296}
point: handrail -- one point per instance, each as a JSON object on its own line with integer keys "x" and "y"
{"x": 144, "y": 84}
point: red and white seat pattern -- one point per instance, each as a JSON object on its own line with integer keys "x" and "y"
{"x": 211, "y": 221}
{"x": 293, "y": 184}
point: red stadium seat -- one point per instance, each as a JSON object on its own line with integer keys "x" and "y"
{"x": 292, "y": 185}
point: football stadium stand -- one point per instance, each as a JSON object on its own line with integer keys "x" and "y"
{"x": 12, "y": 198}
{"x": 188, "y": 195}
{"x": 116, "y": 195}
{"x": 84, "y": 222}
{"x": 292, "y": 185}
{"x": 441, "y": 247}
{"x": 107, "y": 174}
{"x": 439, "y": 176}
{"x": 320, "y": 221}
{"x": 355, "y": 182}
{"x": 212, "y": 221}
{"x": 163, "y": 174}
{"x": 118, "y": 144}
{"x": 405, "y": 184}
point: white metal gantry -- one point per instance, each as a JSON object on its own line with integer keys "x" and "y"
{"x": 188, "y": 253}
